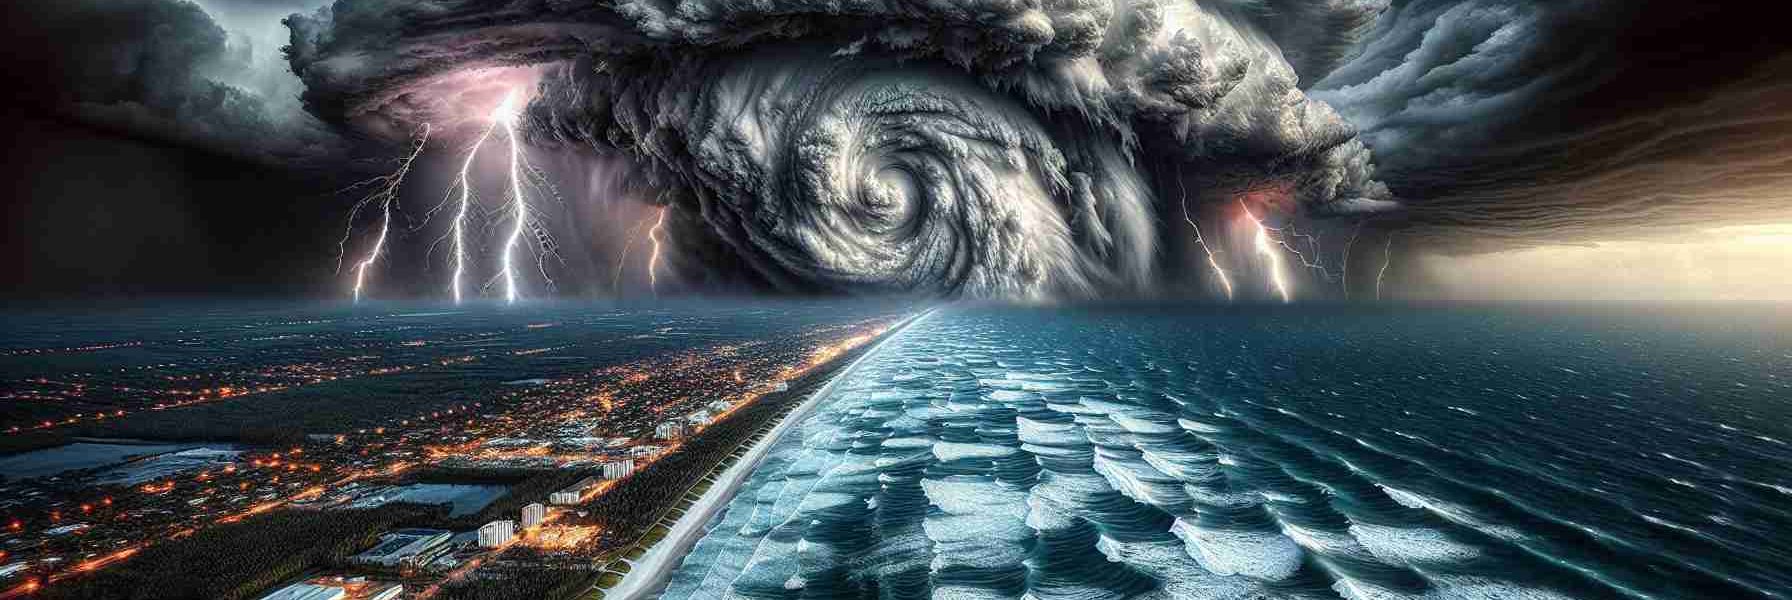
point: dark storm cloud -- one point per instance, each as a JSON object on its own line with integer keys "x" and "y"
{"x": 164, "y": 69}
{"x": 984, "y": 148}
{"x": 1504, "y": 122}
{"x": 1033, "y": 148}
{"x": 382, "y": 62}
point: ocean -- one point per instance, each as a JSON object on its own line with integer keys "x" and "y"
{"x": 1148, "y": 452}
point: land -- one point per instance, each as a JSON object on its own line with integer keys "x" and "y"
{"x": 674, "y": 418}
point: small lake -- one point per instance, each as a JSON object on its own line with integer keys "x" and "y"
{"x": 88, "y": 455}
{"x": 172, "y": 463}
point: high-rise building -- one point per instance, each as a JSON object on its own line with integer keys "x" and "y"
{"x": 574, "y": 493}
{"x": 671, "y": 430}
{"x": 643, "y": 451}
{"x": 496, "y": 533}
{"x": 618, "y": 469}
{"x": 534, "y": 514}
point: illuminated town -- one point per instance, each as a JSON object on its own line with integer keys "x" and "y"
{"x": 559, "y": 474}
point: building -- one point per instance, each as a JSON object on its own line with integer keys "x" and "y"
{"x": 534, "y": 514}
{"x": 505, "y": 442}
{"x": 405, "y": 547}
{"x": 719, "y": 406}
{"x": 496, "y": 533}
{"x": 699, "y": 419}
{"x": 391, "y": 592}
{"x": 643, "y": 451}
{"x": 574, "y": 493}
{"x": 307, "y": 591}
{"x": 618, "y": 469}
{"x": 671, "y": 430}
{"x": 339, "y": 588}
{"x": 77, "y": 527}
{"x": 781, "y": 387}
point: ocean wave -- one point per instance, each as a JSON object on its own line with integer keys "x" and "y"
{"x": 1255, "y": 554}
{"x": 1411, "y": 545}
{"x": 1107, "y": 485}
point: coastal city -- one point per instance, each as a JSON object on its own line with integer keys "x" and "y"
{"x": 539, "y": 482}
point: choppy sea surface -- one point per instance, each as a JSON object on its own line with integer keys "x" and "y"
{"x": 1532, "y": 453}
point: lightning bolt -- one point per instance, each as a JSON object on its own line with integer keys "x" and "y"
{"x": 519, "y": 205}
{"x": 616, "y": 275}
{"x": 1266, "y": 247}
{"x": 545, "y": 245}
{"x": 459, "y": 229}
{"x": 1387, "y": 253}
{"x": 1212, "y": 262}
{"x": 521, "y": 174}
{"x": 653, "y": 261}
{"x": 385, "y": 194}
{"x": 1344, "y": 271}
{"x": 1268, "y": 239}
{"x": 1281, "y": 239}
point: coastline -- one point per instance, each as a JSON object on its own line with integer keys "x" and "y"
{"x": 648, "y": 576}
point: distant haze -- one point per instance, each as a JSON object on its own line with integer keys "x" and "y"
{"x": 1727, "y": 263}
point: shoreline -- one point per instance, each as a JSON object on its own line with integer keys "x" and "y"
{"x": 648, "y": 576}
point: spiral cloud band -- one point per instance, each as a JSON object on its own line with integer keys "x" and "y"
{"x": 1013, "y": 148}
{"x": 983, "y": 148}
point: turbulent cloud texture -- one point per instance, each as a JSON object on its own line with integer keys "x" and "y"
{"x": 983, "y": 148}
{"x": 1011, "y": 148}
{"x": 165, "y": 69}
{"x": 1503, "y": 123}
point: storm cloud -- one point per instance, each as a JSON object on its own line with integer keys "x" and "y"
{"x": 1508, "y": 123}
{"x": 1013, "y": 148}
{"x": 991, "y": 148}
{"x": 161, "y": 69}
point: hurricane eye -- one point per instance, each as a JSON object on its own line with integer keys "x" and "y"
{"x": 893, "y": 198}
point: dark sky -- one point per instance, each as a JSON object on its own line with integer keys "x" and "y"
{"x": 91, "y": 213}
{"x": 151, "y": 149}
{"x": 159, "y": 146}
{"x": 1508, "y": 123}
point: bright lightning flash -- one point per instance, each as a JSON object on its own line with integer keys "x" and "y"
{"x": 1387, "y": 255}
{"x": 1266, "y": 247}
{"x": 506, "y": 115}
{"x": 459, "y": 230}
{"x": 653, "y": 261}
{"x": 1344, "y": 268}
{"x": 385, "y": 195}
{"x": 1281, "y": 239}
{"x": 1212, "y": 261}
{"x": 616, "y": 274}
